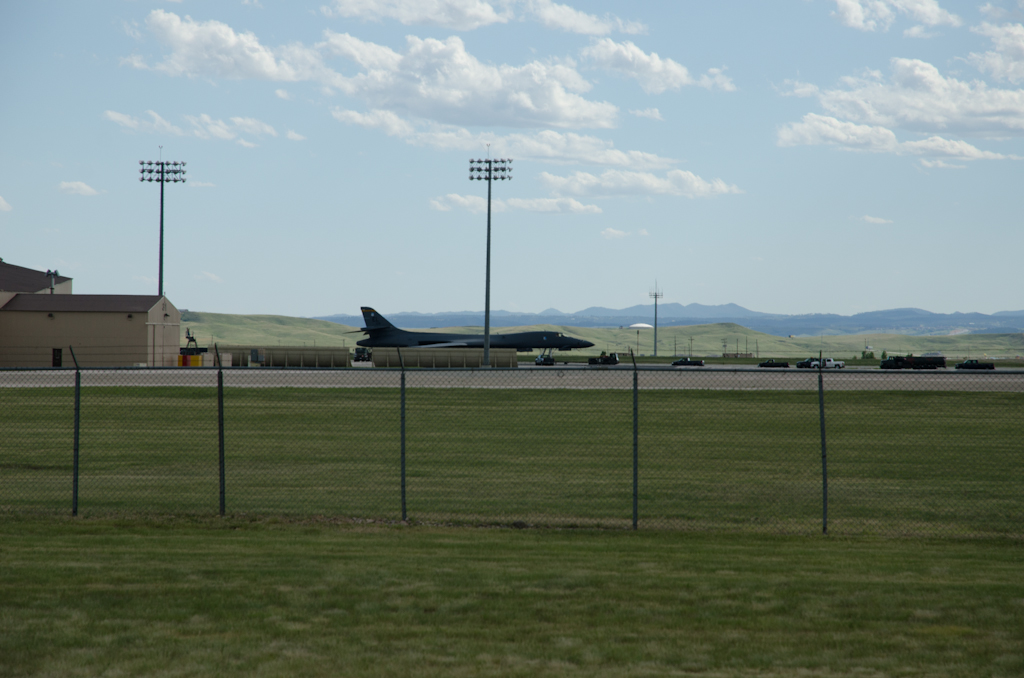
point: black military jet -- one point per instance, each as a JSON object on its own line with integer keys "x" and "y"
{"x": 382, "y": 333}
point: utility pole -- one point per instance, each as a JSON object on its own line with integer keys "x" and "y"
{"x": 489, "y": 170}
{"x": 655, "y": 294}
{"x": 162, "y": 171}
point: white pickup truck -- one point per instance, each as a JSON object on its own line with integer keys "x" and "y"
{"x": 827, "y": 363}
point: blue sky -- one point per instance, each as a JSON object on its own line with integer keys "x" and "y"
{"x": 797, "y": 156}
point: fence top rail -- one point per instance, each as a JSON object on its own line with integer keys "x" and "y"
{"x": 874, "y": 371}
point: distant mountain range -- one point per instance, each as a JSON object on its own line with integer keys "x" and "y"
{"x": 912, "y": 321}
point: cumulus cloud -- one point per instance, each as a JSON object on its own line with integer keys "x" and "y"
{"x": 77, "y": 188}
{"x": 652, "y": 113}
{"x": 940, "y": 164}
{"x": 4, "y": 205}
{"x": 917, "y": 97}
{"x": 876, "y": 220}
{"x": 619, "y": 182}
{"x": 1006, "y": 60}
{"x": 546, "y": 145}
{"x": 565, "y": 18}
{"x": 478, "y": 204}
{"x": 431, "y": 79}
{"x": 817, "y": 129}
{"x": 295, "y": 136}
{"x": 467, "y": 15}
{"x": 873, "y": 15}
{"x": 655, "y": 75}
{"x": 460, "y": 15}
{"x": 439, "y": 80}
{"x": 155, "y": 125}
{"x": 283, "y": 94}
{"x": 613, "y": 234}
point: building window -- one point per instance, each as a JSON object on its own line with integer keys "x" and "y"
{"x": 58, "y": 357}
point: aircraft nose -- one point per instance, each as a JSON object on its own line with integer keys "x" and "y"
{"x": 585, "y": 344}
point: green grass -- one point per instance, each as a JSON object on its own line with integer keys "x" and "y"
{"x": 240, "y": 598}
{"x": 265, "y": 330}
{"x": 899, "y": 462}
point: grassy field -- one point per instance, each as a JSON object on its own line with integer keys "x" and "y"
{"x": 899, "y": 462}
{"x": 232, "y": 597}
{"x": 707, "y": 339}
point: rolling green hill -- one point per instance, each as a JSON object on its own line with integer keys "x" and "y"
{"x": 272, "y": 330}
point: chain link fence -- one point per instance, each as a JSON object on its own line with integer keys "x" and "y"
{"x": 787, "y": 451}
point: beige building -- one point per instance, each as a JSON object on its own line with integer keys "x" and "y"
{"x": 40, "y": 325}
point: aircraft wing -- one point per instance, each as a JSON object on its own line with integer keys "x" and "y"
{"x": 447, "y": 344}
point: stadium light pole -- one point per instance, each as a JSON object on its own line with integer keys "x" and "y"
{"x": 162, "y": 171}
{"x": 489, "y": 170}
{"x": 656, "y": 295}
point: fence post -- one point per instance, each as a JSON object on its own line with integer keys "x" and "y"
{"x": 636, "y": 439}
{"x": 401, "y": 364}
{"x": 78, "y": 409}
{"x": 824, "y": 466}
{"x": 220, "y": 424}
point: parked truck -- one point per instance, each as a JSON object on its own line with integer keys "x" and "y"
{"x": 975, "y": 365}
{"x": 913, "y": 362}
{"x": 826, "y": 364}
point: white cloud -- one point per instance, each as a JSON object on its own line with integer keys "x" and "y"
{"x": 467, "y": 15}
{"x": 547, "y": 145}
{"x": 201, "y": 184}
{"x": 1006, "y": 61}
{"x": 876, "y": 220}
{"x": 643, "y": 231}
{"x": 918, "y": 31}
{"x": 77, "y": 188}
{"x": 919, "y": 98}
{"x": 4, "y": 205}
{"x": 654, "y": 73}
{"x": 461, "y": 15}
{"x": 246, "y": 144}
{"x": 652, "y": 113}
{"x": 213, "y": 48}
{"x": 716, "y": 78}
{"x": 993, "y": 12}
{"x": 205, "y": 127}
{"x": 817, "y": 129}
{"x": 432, "y": 79}
{"x": 283, "y": 94}
{"x": 619, "y": 182}
{"x": 156, "y": 124}
{"x": 206, "y": 275}
{"x": 295, "y": 136}
{"x": 613, "y": 234}
{"x": 940, "y": 164}
{"x": 872, "y": 15}
{"x": 565, "y": 18}
{"x": 438, "y": 80}
{"x": 478, "y": 204}
{"x": 253, "y": 126}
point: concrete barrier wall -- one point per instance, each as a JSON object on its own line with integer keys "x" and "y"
{"x": 443, "y": 357}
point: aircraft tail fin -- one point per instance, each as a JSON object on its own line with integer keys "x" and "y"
{"x": 374, "y": 320}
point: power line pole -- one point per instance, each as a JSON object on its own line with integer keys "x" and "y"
{"x": 656, "y": 295}
{"x": 489, "y": 170}
{"x": 162, "y": 171}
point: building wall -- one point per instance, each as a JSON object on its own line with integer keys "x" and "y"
{"x": 99, "y": 338}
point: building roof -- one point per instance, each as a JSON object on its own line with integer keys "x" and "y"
{"x": 83, "y": 303}
{"x": 20, "y": 279}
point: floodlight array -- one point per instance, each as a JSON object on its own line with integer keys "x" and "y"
{"x": 490, "y": 169}
{"x": 162, "y": 171}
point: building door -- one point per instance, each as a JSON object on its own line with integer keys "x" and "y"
{"x": 58, "y": 357}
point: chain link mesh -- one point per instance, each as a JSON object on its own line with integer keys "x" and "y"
{"x": 924, "y": 453}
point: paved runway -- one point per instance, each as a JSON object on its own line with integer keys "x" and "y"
{"x": 573, "y": 377}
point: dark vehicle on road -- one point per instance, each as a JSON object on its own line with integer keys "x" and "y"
{"x": 810, "y": 362}
{"x": 688, "y": 362}
{"x": 363, "y": 355}
{"x": 912, "y": 362}
{"x": 610, "y": 359}
{"x": 771, "y": 362}
{"x": 975, "y": 365}
{"x": 544, "y": 359}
